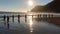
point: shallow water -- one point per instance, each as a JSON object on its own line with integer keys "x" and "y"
{"x": 28, "y": 27}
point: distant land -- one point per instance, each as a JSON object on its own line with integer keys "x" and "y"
{"x": 54, "y": 6}
{"x": 3, "y": 12}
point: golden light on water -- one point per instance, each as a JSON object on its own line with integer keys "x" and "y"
{"x": 30, "y": 23}
{"x": 30, "y": 2}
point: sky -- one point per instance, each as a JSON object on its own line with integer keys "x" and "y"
{"x": 20, "y": 5}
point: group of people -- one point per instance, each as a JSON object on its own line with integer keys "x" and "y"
{"x": 7, "y": 17}
{"x": 6, "y": 20}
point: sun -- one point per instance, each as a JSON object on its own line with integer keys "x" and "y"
{"x": 30, "y": 2}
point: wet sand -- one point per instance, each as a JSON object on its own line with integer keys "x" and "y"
{"x": 36, "y": 26}
{"x": 53, "y": 20}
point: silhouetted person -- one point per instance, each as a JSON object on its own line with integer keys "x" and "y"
{"x": 49, "y": 15}
{"x": 19, "y": 18}
{"x": 25, "y": 18}
{"x": 7, "y": 19}
{"x": 32, "y": 17}
{"x": 52, "y": 16}
{"x": 38, "y": 17}
{"x": 13, "y": 18}
{"x": 4, "y": 18}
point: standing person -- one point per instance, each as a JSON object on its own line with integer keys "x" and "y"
{"x": 13, "y": 18}
{"x": 25, "y": 18}
{"x": 38, "y": 17}
{"x": 18, "y": 18}
{"x": 7, "y": 19}
{"x": 4, "y": 18}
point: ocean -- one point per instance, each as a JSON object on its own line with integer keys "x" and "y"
{"x": 27, "y": 26}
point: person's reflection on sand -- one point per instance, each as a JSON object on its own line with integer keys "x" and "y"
{"x": 8, "y": 25}
{"x": 13, "y": 18}
{"x": 4, "y": 20}
{"x": 4, "y": 23}
{"x": 7, "y": 22}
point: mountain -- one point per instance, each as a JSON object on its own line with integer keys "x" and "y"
{"x": 54, "y": 6}
{"x": 38, "y": 9}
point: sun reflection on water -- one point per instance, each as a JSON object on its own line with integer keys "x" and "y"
{"x": 30, "y": 23}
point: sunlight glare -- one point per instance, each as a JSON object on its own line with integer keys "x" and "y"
{"x": 30, "y": 18}
{"x": 30, "y": 23}
{"x": 30, "y": 2}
